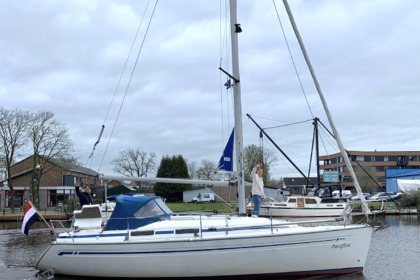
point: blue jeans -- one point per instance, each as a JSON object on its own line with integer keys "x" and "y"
{"x": 256, "y": 200}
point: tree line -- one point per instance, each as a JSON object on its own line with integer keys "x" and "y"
{"x": 38, "y": 134}
{"x": 24, "y": 133}
{"x": 138, "y": 163}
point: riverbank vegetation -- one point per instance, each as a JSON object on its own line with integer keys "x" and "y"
{"x": 205, "y": 207}
{"x": 410, "y": 199}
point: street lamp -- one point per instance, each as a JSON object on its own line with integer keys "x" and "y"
{"x": 35, "y": 181}
{"x": 36, "y": 172}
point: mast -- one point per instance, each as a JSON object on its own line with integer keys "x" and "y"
{"x": 235, "y": 29}
{"x": 318, "y": 173}
{"x": 340, "y": 145}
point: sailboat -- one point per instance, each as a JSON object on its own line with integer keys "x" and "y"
{"x": 320, "y": 202}
{"x": 144, "y": 239}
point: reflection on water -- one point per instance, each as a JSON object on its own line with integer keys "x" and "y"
{"x": 394, "y": 252}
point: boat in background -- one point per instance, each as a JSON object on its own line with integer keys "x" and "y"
{"x": 304, "y": 207}
{"x": 316, "y": 204}
{"x": 144, "y": 239}
{"x": 320, "y": 202}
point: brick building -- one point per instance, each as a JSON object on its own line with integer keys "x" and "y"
{"x": 56, "y": 182}
{"x": 380, "y": 161}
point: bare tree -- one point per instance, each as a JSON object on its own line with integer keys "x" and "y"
{"x": 50, "y": 140}
{"x": 364, "y": 175}
{"x": 192, "y": 169}
{"x": 207, "y": 170}
{"x": 12, "y": 138}
{"x": 135, "y": 163}
{"x": 253, "y": 155}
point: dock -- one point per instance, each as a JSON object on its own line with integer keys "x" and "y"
{"x": 48, "y": 215}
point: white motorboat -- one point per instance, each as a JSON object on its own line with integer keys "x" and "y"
{"x": 319, "y": 203}
{"x": 303, "y": 207}
{"x": 143, "y": 239}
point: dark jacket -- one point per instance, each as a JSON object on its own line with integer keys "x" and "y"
{"x": 84, "y": 197}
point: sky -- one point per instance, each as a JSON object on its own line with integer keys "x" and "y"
{"x": 68, "y": 57}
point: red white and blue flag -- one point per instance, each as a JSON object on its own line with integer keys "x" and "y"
{"x": 29, "y": 218}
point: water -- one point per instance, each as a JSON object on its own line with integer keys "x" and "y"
{"x": 394, "y": 252}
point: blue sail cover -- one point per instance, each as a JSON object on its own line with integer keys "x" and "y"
{"x": 131, "y": 212}
{"x": 226, "y": 161}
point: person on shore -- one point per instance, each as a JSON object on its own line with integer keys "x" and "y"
{"x": 84, "y": 197}
{"x": 257, "y": 188}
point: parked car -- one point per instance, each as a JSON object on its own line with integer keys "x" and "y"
{"x": 204, "y": 197}
{"x": 384, "y": 196}
{"x": 369, "y": 196}
{"x": 398, "y": 195}
{"x": 344, "y": 193}
{"x": 356, "y": 197}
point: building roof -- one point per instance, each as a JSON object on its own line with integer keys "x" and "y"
{"x": 70, "y": 166}
{"x": 66, "y": 165}
{"x": 298, "y": 181}
{"x": 373, "y": 153}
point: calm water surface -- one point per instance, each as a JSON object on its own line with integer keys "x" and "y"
{"x": 394, "y": 252}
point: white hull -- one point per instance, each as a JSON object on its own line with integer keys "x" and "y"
{"x": 264, "y": 251}
{"x": 296, "y": 212}
{"x": 303, "y": 207}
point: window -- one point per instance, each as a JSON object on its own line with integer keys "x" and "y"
{"x": 18, "y": 201}
{"x": 152, "y": 208}
{"x": 69, "y": 180}
{"x": 56, "y": 196}
{"x": 372, "y": 158}
{"x": 347, "y": 179}
{"x": 310, "y": 201}
{"x": 360, "y": 158}
{"x": 386, "y": 158}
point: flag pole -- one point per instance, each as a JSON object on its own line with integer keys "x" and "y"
{"x": 40, "y": 215}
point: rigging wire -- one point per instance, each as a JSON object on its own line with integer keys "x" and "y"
{"x": 132, "y": 74}
{"x": 288, "y": 124}
{"x": 224, "y": 52}
{"x": 90, "y": 159}
{"x": 293, "y": 61}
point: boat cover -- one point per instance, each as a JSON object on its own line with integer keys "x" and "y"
{"x": 136, "y": 211}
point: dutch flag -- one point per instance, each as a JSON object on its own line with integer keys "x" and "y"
{"x": 29, "y": 218}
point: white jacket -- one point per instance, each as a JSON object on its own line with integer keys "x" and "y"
{"x": 257, "y": 183}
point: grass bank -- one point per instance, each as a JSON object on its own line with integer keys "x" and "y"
{"x": 208, "y": 207}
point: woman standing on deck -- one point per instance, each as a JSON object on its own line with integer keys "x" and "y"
{"x": 257, "y": 188}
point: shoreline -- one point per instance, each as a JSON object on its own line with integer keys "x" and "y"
{"x": 7, "y": 217}
{"x": 48, "y": 216}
